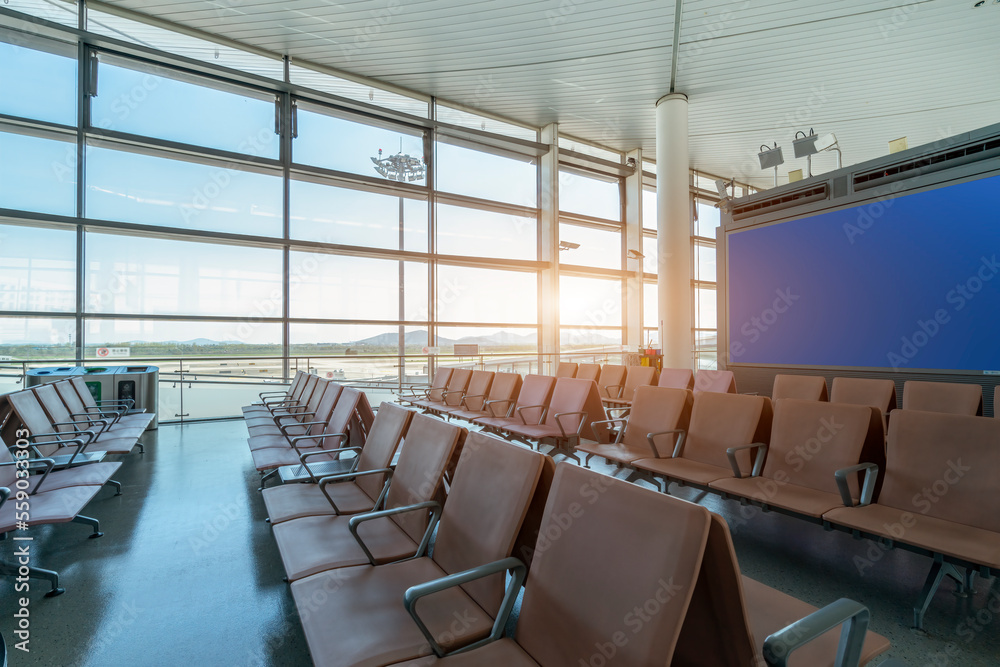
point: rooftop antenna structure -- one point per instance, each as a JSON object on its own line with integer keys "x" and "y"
{"x": 400, "y": 167}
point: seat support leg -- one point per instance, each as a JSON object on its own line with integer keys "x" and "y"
{"x": 117, "y": 485}
{"x": 268, "y": 475}
{"x": 938, "y": 571}
{"x": 10, "y": 570}
{"x": 93, "y": 523}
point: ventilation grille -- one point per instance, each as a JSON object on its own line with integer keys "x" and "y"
{"x": 797, "y": 198}
{"x": 926, "y": 164}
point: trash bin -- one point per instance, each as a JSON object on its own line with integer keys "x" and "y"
{"x": 140, "y": 384}
{"x": 109, "y": 383}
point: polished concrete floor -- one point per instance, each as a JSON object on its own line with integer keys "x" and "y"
{"x": 187, "y": 571}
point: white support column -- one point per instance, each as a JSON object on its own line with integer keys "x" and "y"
{"x": 673, "y": 231}
{"x": 548, "y": 251}
{"x": 633, "y": 241}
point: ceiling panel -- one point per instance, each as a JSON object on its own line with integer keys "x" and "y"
{"x": 755, "y": 71}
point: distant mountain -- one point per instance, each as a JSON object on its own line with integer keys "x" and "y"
{"x": 499, "y": 338}
{"x": 418, "y": 337}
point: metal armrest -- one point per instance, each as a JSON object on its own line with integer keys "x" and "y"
{"x": 284, "y": 427}
{"x": 432, "y": 505}
{"x": 854, "y": 617}
{"x": 867, "y": 489}
{"x": 621, "y": 432}
{"x": 758, "y": 462}
{"x": 518, "y": 571}
{"x": 57, "y": 437}
{"x": 277, "y": 417}
{"x": 350, "y": 476}
{"x": 579, "y": 427}
{"x": 468, "y": 396}
{"x": 318, "y": 436}
{"x": 49, "y": 465}
{"x": 678, "y": 446}
{"x": 531, "y": 407}
{"x": 508, "y": 401}
{"x": 618, "y": 394}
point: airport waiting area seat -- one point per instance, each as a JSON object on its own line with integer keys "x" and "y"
{"x": 567, "y": 417}
{"x": 472, "y": 397}
{"x": 699, "y": 455}
{"x": 657, "y": 414}
{"x": 676, "y": 378}
{"x": 711, "y": 380}
{"x": 362, "y": 488}
{"x": 938, "y": 497}
{"x": 566, "y": 369}
{"x": 528, "y": 408}
{"x": 805, "y": 387}
{"x": 635, "y": 376}
{"x": 450, "y": 397}
{"x": 811, "y": 442}
{"x": 951, "y": 397}
{"x": 588, "y": 372}
{"x": 611, "y": 380}
{"x": 357, "y": 616}
{"x": 433, "y": 392}
{"x": 498, "y": 402}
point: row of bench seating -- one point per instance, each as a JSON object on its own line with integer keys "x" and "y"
{"x": 52, "y": 463}
{"x": 308, "y": 430}
{"x": 925, "y": 486}
{"x": 369, "y": 590}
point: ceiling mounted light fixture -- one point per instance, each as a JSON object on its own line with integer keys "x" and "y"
{"x": 568, "y": 245}
{"x": 809, "y": 144}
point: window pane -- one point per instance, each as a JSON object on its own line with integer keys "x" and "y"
{"x": 590, "y": 301}
{"x": 569, "y": 144}
{"x": 650, "y": 261}
{"x": 589, "y": 196}
{"x": 341, "y": 287}
{"x": 184, "y": 45}
{"x": 37, "y": 269}
{"x": 157, "y": 102}
{"x": 347, "y": 145}
{"x": 708, "y": 219}
{"x": 464, "y": 171}
{"x": 38, "y": 84}
{"x": 598, "y": 247}
{"x": 469, "y": 231}
{"x": 153, "y": 190}
{"x": 57, "y": 11}
{"x": 590, "y": 340}
{"x": 467, "y": 294}
{"x": 416, "y": 276}
{"x": 648, "y": 208}
{"x": 128, "y": 274}
{"x": 650, "y": 306}
{"x": 704, "y": 262}
{"x": 357, "y": 91}
{"x": 705, "y": 317}
{"x": 179, "y": 338}
{"x": 316, "y": 339}
{"x": 37, "y": 174}
{"x": 38, "y": 337}
{"x": 489, "y": 339}
{"x": 353, "y": 217}
{"x": 453, "y": 116}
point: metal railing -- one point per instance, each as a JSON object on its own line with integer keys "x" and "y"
{"x": 198, "y": 388}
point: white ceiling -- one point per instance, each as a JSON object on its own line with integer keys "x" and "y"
{"x": 755, "y": 71}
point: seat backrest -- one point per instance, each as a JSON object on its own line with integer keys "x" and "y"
{"x": 573, "y": 395}
{"x": 943, "y": 466}
{"x": 709, "y": 379}
{"x": 654, "y": 410}
{"x": 386, "y": 433}
{"x": 717, "y": 629}
{"x": 426, "y": 452}
{"x": 720, "y": 421}
{"x": 308, "y": 389}
{"x": 588, "y": 371}
{"x": 439, "y": 384}
{"x": 611, "y": 376}
{"x": 637, "y": 376}
{"x": 951, "y": 397}
{"x": 8, "y": 474}
{"x": 593, "y": 525}
{"x": 83, "y": 392}
{"x": 879, "y": 394}
{"x": 30, "y": 411}
{"x": 326, "y": 405}
{"x": 298, "y": 383}
{"x": 70, "y": 398}
{"x": 505, "y": 387}
{"x": 343, "y": 412}
{"x": 478, "y": 389}
{"x": 806, "y": 387}
{"x": 535, "y": 390}
{"x": 319, "y": 391}
{"x": 476, "y": 529}
{"x": 676, "y": 378}
{"x": 457, "y": 384}
{"x": 54, "y": 406}
{"x": 566, "y": 369}
{"x": 811, "y": 440}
